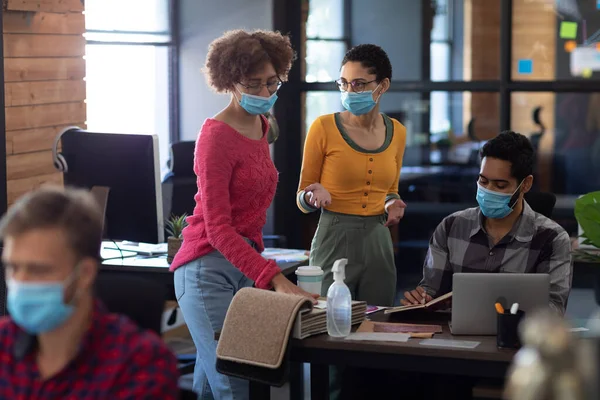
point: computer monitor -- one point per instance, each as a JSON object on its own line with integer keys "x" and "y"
{"x": 128, "y": 165}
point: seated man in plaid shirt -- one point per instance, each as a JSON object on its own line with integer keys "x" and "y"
{"x": 503, "y": 234}
{"x": 59, "y": 341}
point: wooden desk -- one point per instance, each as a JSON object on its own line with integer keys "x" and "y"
{"x": 484, "y": 361}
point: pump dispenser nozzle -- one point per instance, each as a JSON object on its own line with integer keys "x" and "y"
{"x": 339, "y": 269}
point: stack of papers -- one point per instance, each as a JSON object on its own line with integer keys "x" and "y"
{"x": 412, "y": 330}
{"x": 314, "y": 322}
{"x": 379, "y": 337}
{"x": 145, "y": 249}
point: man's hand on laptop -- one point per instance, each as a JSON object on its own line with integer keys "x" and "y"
{"x": 417, "y": 296}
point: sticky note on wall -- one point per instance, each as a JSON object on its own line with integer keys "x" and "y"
{"x": 584, "y": 58}
{"x": 587, "y": 73}
{"x": 568, "y": 30}
{"x": 525, "y": 66}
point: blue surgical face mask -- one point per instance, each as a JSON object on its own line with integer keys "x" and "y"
{"x": 496, "y": 205}
{"x": 256, "y": 105}
{"x": 359, "y": 103}
{"x": 38, "y": 307}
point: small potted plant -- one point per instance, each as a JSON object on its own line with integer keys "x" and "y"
{"x": 587, "y": 213}
{"x": 174, "y": 227}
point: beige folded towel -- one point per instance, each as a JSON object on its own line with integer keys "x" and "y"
{"x": 257, "y": 327}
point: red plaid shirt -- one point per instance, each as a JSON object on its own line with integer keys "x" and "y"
{"x": 116, "y": 361}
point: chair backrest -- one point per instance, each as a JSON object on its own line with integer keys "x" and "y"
{"x": 541, "y": 202}
{"x": 181, "y": 162}
{"x": 100, "y": 194}
{"x": 140, "y": 299}
{"x": 179, "y": 185}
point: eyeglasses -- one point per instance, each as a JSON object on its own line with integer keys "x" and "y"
{"x": 256, "y": 88}
{"x": 357, "y": 86}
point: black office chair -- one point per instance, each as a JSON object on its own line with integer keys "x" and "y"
{"x": 140, "y": 299}
{"x": 474, "y": 157}
{"x": 536, "y": 137}
{"x": 179, "y": 187}
{"x": 541, "y": 202}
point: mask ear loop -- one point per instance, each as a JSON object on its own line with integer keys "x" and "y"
{"x": 378, "y": 97}
{"x": 235, "y": 89}
{"x": 516, "y": 192}
{"x": 69, "y": 281}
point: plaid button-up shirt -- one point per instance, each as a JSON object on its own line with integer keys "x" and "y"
{"x": 116, "y": 361}
{"x": 535, "y": 244}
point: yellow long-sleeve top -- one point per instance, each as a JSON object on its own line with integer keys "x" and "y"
{"x": 359, "y": 181}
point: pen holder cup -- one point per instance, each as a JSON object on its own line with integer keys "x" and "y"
{"x": 508, "y": 330}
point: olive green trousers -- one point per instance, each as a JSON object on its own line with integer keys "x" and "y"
{"x": 367, "y": 244}
{"x": 370, "y": 272}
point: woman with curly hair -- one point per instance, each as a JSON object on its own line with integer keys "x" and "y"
{"x": 350, "y": 171}
{"x": 236, "y": 180}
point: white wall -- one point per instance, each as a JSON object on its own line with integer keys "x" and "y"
{"x": 202, "y": 21}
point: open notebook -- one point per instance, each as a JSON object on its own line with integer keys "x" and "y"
{"x": 419, "y": 306}
{"x": 314, "y": 322}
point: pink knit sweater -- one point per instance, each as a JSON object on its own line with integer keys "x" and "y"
{"x": 236, "y": 184}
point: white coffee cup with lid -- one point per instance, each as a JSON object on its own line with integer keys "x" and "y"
{"x": 310, "y": 278}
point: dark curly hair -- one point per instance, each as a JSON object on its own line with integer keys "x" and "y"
{"x": 371, "y": 57}
{"x": 514, "y": 148}
{"x": 239, "y": 53}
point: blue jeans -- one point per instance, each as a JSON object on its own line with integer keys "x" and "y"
{"x": 204, "y": 289}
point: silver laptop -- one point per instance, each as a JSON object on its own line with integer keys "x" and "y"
{"x": 475, "y": 294}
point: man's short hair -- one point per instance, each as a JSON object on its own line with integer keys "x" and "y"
{"x": 74, "y": 211}
{"x": 514, "y": 148}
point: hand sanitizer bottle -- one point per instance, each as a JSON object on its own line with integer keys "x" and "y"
{"x": 339, "y": 302}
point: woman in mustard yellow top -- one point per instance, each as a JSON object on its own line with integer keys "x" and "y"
{"x": 350, "y": 170}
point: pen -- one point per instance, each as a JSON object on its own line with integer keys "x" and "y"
{"x": 514, "y": 308}
{"x": 499, "y": 308}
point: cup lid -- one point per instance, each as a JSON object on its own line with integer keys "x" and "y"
{"x": 309, "y": 271}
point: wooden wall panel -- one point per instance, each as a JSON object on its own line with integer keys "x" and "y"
{"x": 27, "y": 165}
{"x": 44, "y": 86}
{"x": 44, "y": 92}
{"x": 28, "y": 117}
{"x": 36, "y": 139}
{"x": 57, "y": 6}
{"x": 42, "y": 22}
{"x": 43, "y": 69}
{"x": 25, "y": 45}
{"x": 18, "y": 187}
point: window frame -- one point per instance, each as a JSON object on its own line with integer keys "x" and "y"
{"x": 287, "y": 18}
{"x": 346, "y": 33}
{"x": 505, "y": 85}
{"x": 173, "y": 60}
{"x": 449, "y": 42}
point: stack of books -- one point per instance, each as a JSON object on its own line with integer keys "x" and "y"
{"x": 314, "y": 322}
